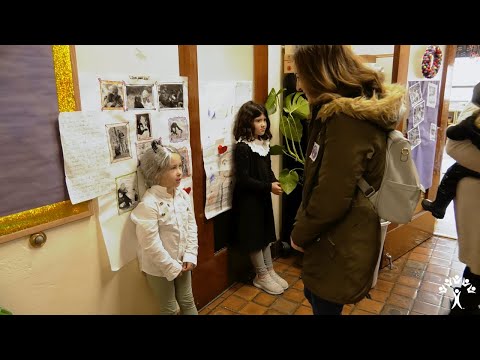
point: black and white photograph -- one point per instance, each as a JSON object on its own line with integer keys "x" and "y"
{"x": 112, "y": 95}
{"x": 433, "y": 132}
{"x": 140, "y": 97}
{"x": 178, "y": 129}
{"x": 127, "y": 192}
{"x": 119, "y": 142}
{"x": 414, "y": 137}
{"x": 432, "y": 95}
{"x": 418, "y": 113}
{"x": 170, "y": 96}
{"x": 185, "y": 162}
{"x": 144, "y": 127}
{"x": 415, "y": 93}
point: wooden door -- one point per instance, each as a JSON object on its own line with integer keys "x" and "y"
{"x": 402, "y": 238}
{"x": 212, "y": 275}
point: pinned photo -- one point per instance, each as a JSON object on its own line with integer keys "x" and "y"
{"x": 414, "y": 137}
{"x": 415, "y": 93}
{"x": 418, "y": 113}
{"x": 127, "y": 192}
{"x": 119, "y": 142}
{"x": 178, "y": 127}
{"x": 185, "y": 162}
{"x": 170, "y": 96}
{"x": 144, "y": 128}
{"x": 432, "y": 95}
{"x": 140, "y": 97}
{"x": 112, "y": 95}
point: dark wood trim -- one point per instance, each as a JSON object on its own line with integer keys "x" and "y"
{"x": 260, "y": 73}
{"x": 444, "y": 104}
{"x": 401, "y": 57}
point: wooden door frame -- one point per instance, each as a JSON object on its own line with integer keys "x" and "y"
{"x": 402, "y": 238}
{"x": 211, "y": 277}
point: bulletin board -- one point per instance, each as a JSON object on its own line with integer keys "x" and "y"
{"x": 36, "y": 83}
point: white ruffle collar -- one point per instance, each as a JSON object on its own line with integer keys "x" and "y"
{"x": 261, "y": 147}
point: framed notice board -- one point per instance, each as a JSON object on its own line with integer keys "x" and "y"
{"x": 36, "y": 83}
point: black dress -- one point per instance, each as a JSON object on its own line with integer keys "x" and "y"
{"x": 252, "y": 202}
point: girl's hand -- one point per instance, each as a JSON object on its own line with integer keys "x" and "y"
{"x": 276, "y": 188}
{"x": 187, "y": 266}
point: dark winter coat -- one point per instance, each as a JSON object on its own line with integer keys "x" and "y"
{"x": 336, "y": 224}
{"x": 252, "y": 202}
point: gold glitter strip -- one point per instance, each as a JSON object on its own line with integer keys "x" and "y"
{"x": 66, "y": 102}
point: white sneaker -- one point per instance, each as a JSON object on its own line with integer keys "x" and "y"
{"x": 267, "y": 284}
{"x": 278, "y": 279}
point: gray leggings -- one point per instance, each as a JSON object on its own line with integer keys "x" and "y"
{"x": 170, "y": 292}
{"x": 262, "y": 260}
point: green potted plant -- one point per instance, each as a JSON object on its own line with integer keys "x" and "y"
{"x": 295, "y": 110}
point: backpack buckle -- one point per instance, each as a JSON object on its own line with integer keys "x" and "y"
{"x": 370, "y": 191}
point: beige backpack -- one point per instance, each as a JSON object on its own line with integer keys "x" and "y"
{"x": 400, "y": 190}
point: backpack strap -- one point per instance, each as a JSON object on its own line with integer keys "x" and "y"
{"x": 366, "y": 188}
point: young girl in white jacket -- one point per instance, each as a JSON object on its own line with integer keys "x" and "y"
{"x": 166, "y": 231}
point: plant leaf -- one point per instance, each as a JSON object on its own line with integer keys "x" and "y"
{"x": 289, "y": 132}
{"x": 271, "y": 103}
{"x": 276, "y": 150}
{"x": 289, "y": 180}
{"x": 302, "y": 110}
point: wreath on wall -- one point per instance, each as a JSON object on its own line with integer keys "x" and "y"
{"x": 432, "y": 59}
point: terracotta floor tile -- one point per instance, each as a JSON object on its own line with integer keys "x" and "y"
{"x": 264, "y": 299}
{"x": 247, "y": 292}
{"x": 446, "y": 249}
{"x": 393, "y": 310}
{"x": 290, "y": 279}
{"x": 414, "y": 313}
{"x": 424, "y": 308}
{"x": 442, "y": 255}
{"x": 446, "y": 302}
{"x": 234, "y": 303}
{"x": 230, "y": 291}
{"x": 284, "y": 306}
{"x": 221, "y": 311}
{"x": 253, "y": 309}
{"x": 298, "y": 285}
{"x": 303, "y": 310}
{"x": 292, "y": 270}
{"x": 370, "y": 306}
{"x": 216, "y": 302}
{"x": 418, "y": 257}
{"x": 361, "y": 312}
{"x": 384, "y": 285}
{"x": 429, "y": 286}
{"x": 405, "y": 291}
{"x": 416, "y": 264}
{"x": 294, "y": 295}
{"x": 440, "y": 270}
{"x": 289, "y": 260}
{"x": 434, "y": 278}
{"x": 428, "y": 245}
{"x": 280, "y": 267}
{"x": 443, "y": 311}
{"x": 347, "y": 309}
{"x": 438, "y": 261}
{"x": 388, "y": 276}
{"x": 306, "y": 303}
{"x": 400, "y": 301}
{"x": 273, "y": 312}
{"x": 204, "y": 311}
{"x": 409, "y": 281}
{"x": 378, "y": 295}
{"x": 422, "y": 250}
{"x": 412, "y": 272}
{"x": 429, "y": 297}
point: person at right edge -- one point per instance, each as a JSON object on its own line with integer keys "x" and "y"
{"x": 466, "y": 129}
{"x": 336, "y": 226}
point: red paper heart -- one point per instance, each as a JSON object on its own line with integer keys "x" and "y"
{"x": 222, "y": 149}
{"x": 187, "y": 190}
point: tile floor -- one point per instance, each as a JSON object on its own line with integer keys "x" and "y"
{"x": 409, "y": 288}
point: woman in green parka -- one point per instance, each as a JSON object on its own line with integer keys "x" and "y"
{"x": 336, "y": 226}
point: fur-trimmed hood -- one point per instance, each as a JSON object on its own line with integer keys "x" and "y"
{"x": 386, "y": 112}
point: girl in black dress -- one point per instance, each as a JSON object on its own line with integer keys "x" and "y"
{"x": 252, "y": 202}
